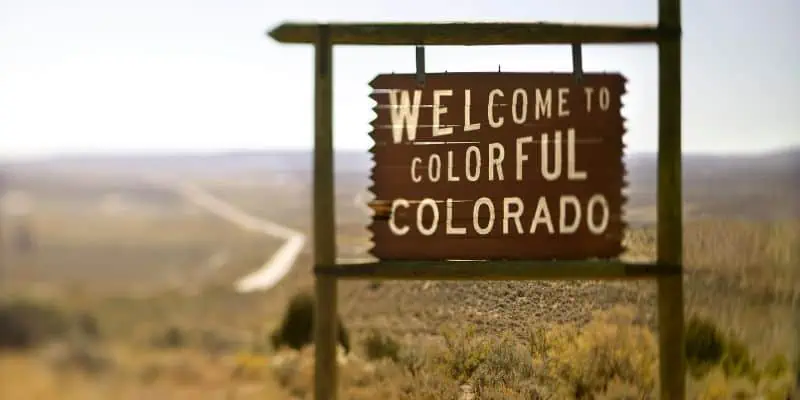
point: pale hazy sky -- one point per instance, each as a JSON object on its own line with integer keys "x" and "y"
{"x": 106, "y": 75}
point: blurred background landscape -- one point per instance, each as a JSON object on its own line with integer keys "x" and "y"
{"x": 117, "y": 283}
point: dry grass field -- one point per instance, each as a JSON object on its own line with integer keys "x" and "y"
{"x": 127, "y": 294}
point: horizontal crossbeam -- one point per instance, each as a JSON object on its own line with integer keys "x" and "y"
{"x": 497, "y": 270}
{"x": 468, "y": 34}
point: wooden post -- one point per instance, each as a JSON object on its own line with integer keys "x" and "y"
{"x": 670, "y": 205}
{"x": 325, "y": 374}
{"x": 4, "y": 263}
{"x": 2, "y": 236}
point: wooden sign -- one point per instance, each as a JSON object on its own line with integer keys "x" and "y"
{"x": 488, "y": 166}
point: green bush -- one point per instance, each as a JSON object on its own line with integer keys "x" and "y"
{"x": 797, "y": 364}
{"x": 704, "y": 344}
{"x": 618, "y": 390}
{"x": 296, "y": 329}
{"x": 508, "y": 366}
{"x": 737, "y": 360}
{"x": 171, "y": 338}
{"x": 413, "y": 360}
{"x": 776, "y": 367}
{"x": 707, "y": 346}
{"x": 87, "y": 326}
{"x": 379, "y": 346}
{"x": 465, "y": 352}
{"x": 26, "y": 324}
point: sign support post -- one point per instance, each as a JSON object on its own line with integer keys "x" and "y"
{"x": 3, "y": 247}
{"x": 667, "y": 270}
{"x": 325, "y": 373}
{"x": 670, "y": 215}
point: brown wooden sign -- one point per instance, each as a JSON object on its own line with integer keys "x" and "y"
{"x": 498, "y": 166}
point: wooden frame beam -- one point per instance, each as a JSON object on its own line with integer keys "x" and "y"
{"x": 471, "y": 34}
{"x": 498, "y": 270}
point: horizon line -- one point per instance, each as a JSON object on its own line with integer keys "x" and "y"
{"x": 199, "y": 152}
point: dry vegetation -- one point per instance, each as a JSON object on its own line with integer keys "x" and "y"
{"x": 588, "y": 340}
{"x": 88, "y": 336}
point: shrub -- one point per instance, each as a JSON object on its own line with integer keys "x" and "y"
{"x": 617, "y": 390}
{"x": 776, "y": 367}
{"x": 737, "y": 360}
{"x": 216, "y": 343}
{"x": 249, "y": 366}
{"x": 171, "y": 338}
{"x": 413, "y": 361}
{"x": 464, "y": 353}
{"x": 707, "y": 346}
{"x": 26, "y": 324}
{"x": 492, "y": 368}
{"x": 717, "y": 384}
{"x": 83, "y": 357}
{"x": 613, "y": 357}
{"x": 797, "y": 363}
{"x": 506, "y": 371}
{"x": 611, "y": 348}
{"x": 379, "y": 346}
{"x": 704, "y": 345}
{"x": 296, "y": 329}
{"x": 87, "y": 326}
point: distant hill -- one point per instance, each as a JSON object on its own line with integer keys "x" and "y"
{"x": 638, "y": 163}
{"x": 764, "y": 186}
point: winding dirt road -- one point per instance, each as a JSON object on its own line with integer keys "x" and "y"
{"x": 276, "y": 267}
{"x": 272, "y": 271}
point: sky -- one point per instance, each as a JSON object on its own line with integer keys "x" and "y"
{"x": 202, "y": 75}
